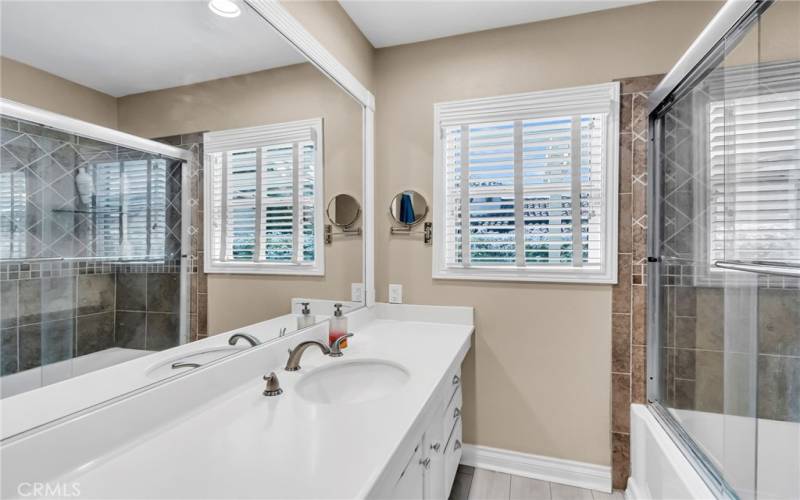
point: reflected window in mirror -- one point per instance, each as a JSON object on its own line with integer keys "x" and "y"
{"x": 265, "y": 199}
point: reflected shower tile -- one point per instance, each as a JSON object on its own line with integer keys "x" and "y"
{"x": 95, "y": 332}
{"x": 95, "y": 293}
{"x": 30, "y": 305}
{"x": 163, "y": 292}
{"x": 24, "y": 149}
{"x": 779, "y": 322}
{"x": 779, "y": 388}
{"x": 131, "y": 292}
{"x": 57, "y": 340}
{"x": 129, "y": 329}
{"x": 58, "y": 298}
{"x": 30, "y": 346}
{"x": 8, "y": 303}
{"x": 162, "y": 331}
{"x": 8, "y": 351}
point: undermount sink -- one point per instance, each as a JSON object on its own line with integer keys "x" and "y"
{"x": 164, "y": 368}
{"x": 352, "y": 381}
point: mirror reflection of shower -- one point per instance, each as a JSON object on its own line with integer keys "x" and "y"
{"x": 90, "y": 254}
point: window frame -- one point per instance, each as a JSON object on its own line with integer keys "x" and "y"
{"x": 601, "y": 98}
{"x": 277, "y": 133}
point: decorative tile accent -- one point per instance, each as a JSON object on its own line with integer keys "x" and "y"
{"x": 629, "y": 294}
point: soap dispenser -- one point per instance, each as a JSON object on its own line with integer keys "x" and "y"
{"x": 306, "y": 318}
{"x": 338, "y": 327}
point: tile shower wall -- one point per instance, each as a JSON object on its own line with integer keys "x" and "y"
{"x": 628, "y": 337}
{"x": 52, "y": 311}
{"x": 198, "y": 288}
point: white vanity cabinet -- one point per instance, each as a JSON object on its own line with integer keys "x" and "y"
{"x": 434, "y": 454}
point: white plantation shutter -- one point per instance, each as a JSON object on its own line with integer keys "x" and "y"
{"x": 12, "y": 214}
{"x": 266, "y": 199}
{"x": 531, "y": 196}
{"x": 130, "y": 209}
{"x": 754, "y": 177}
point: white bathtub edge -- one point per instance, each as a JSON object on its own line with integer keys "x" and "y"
{"x": 658, "y": 468}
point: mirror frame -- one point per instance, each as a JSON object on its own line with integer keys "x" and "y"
{"x": 316, "y": 53}
{"x": 296, "y": 35}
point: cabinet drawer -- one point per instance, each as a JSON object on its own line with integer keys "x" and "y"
{"x": 452, "y": 455}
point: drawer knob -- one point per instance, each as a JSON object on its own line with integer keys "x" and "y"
{"x": 435, "y": 447}
{"x": 456, "y": 413}
{"x": 456, "y": 380}
{"x": 425, "y": 463}
{"x": 457, "y": 445}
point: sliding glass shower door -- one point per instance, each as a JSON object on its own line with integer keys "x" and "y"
{"x": 727, "y": 297}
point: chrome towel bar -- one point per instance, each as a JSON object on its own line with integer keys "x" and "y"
{"x": 761, "y": 267}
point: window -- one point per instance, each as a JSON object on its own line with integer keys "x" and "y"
{"x": 264, "y": 200}
{"x": 130, "y": 209}
{"x": 754, "y": 177}
{"x": 526, "y": 186}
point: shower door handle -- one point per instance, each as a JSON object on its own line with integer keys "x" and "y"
{"x": 760, "y": 267}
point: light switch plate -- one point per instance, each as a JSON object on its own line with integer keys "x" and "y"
{"x": 357, "y": 292}
{"x": 395, "y": 294}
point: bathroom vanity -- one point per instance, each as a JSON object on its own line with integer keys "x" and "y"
{"x": 382, "y": 421}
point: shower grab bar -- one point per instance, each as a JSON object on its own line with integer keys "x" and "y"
{"x": 761, "y": 267}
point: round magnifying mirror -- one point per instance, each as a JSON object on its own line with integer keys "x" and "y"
{"x": 343, "y": 210}
{"x": 408, "y": 208}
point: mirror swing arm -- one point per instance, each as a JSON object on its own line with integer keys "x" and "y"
{"x": 427, "y": 231}
{"x": 329, "y": 233}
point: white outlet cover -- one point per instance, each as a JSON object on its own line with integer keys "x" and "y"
{"x": 357, "y": 292}
{"x": 395, "y": 294}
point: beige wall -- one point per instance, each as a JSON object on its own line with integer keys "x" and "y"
{"x": 278, "y": 95}
{"x": 28, "y": 85}
{"x": 537, "y": 379}
{"x": 327, "y": 21}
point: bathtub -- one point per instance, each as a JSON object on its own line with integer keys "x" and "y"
{"x": 27, "y": 380}
{"x": 660, "y": 471}
{"x": 658, "y": 468}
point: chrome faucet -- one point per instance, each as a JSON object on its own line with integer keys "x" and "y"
{"x": 336, "y": 347}
{"x": 293, "y": 364}
{"x": 236, "y": 336}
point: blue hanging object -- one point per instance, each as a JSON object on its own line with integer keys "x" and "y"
{"x": 406, "y": 210}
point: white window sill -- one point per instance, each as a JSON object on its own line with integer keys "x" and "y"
{"x": 264, "y": 269}
{"x": 559, "y": 275}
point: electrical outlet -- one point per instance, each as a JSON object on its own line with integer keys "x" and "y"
{"x": 395, "y": 294}
{"x": 357, "y": 292}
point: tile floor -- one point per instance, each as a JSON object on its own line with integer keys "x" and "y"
{"x": 480, "y": 484}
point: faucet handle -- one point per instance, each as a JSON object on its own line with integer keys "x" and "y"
{"x": 336, "y": 347}
{"x": 273, "y": 385}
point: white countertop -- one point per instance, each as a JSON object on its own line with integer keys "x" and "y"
{"x": 245, "y": 445}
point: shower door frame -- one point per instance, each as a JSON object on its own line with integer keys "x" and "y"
{"x": 732, "y": 21}
{"x": 118, "y": 138}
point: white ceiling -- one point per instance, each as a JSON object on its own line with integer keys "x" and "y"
{"x": 125, "y": 47}
{"x": 395, "y": 22}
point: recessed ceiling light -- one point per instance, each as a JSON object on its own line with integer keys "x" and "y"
{"x": 224, "y": 8}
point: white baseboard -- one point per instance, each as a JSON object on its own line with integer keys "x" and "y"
{"x": 556, "y": 470}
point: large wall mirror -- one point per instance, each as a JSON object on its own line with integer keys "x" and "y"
{"x": 117, "y": 255}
